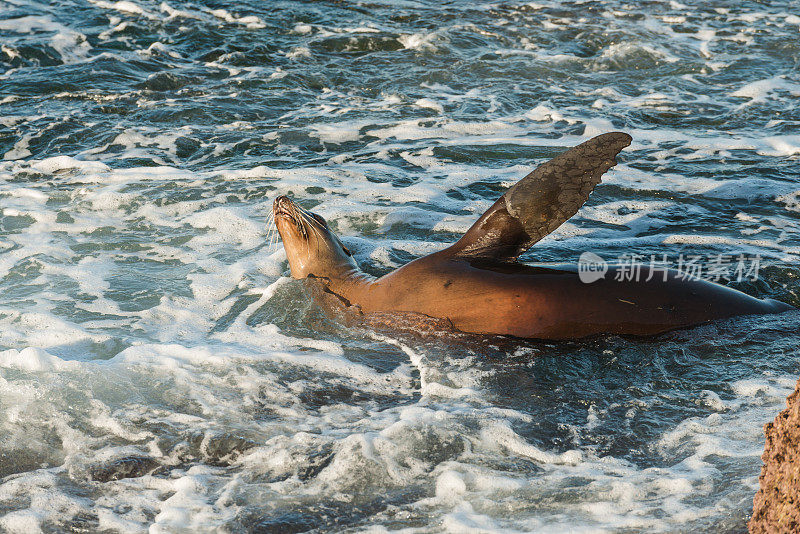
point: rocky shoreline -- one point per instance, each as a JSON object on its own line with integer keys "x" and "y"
{"x": 776, "y": 506}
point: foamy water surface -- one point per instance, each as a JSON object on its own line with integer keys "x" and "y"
{"x": 160, "y": 371}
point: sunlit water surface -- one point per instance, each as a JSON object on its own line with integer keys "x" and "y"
{"x": 159, "y": 370}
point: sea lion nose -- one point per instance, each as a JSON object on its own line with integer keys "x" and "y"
{"x": 282, "y": 202}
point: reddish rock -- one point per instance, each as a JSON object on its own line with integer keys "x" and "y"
{"x": 776, "y": 507}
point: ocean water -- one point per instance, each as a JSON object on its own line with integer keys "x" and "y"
{"x": 159, "y": 370}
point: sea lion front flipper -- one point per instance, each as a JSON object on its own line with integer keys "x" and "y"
{"x": 542, "y": 201}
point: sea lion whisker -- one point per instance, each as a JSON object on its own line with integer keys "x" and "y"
{"x": 312, "y": 219}
{"x": 296, "y": 216}
{"x": 317, "y": 231}
{"x": 320, "y": 238}
{"x": 273, "y": 241}
{"x": 315, "y": 226}
{"x": 307, "y": 217}
{"x": 274, "y": 234}
{"x": 271, "y": 229}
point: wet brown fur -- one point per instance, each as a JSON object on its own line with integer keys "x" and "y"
{"x": 476, "y": 285}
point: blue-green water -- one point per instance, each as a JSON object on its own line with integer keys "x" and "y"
{"x": 158, "y": 370}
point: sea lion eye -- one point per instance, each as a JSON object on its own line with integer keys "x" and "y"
{"x": 344, "y": 248}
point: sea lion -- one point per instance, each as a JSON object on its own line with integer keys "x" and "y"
{"x": 477, "y": 285}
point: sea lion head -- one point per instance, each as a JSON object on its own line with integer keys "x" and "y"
{"x": 311, "y": 247}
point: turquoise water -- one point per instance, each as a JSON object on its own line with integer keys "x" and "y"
{"x": 159, "y": 370}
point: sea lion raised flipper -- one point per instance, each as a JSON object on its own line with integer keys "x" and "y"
{"x": 542, "y": 201}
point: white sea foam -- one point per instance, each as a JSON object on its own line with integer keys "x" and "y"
{"x": 59, "y": 163}
{"x": 627, "y": 51}
{"x": 427, "y": 103}
{"x": 419, "y": 41}
{"x": 339, "y": 132}
{"x": 250, "y": 21}
{"x": 123, "y": 6}
{"x": 20, "y": 148}
{"x": 178, "y": 13}
{"x": 30, "y": 24}
{"x": 759, "y": 91}
{"x": 298, "y": 52}
{"x": 71, "y": 46}
{"x": 786, "y": 145}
